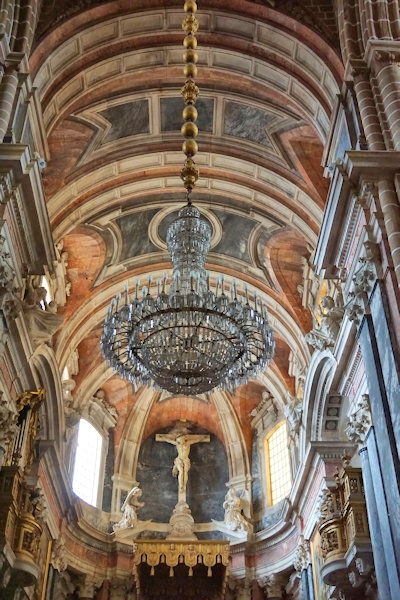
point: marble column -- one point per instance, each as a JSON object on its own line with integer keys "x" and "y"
{"x": 377, "y": 520}
{"x": 307, "y": 583}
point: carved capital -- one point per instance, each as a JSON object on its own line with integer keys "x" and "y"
{"x": 360, "y": 421}
{"x": 58, "y": 555}
{"x": 273, "y": 585}
{"x": 302, "y": 556}
{"x": 119, "y": 589}
{"x": 88, "y": 587}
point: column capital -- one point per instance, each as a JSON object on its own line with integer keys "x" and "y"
{"x": 360, "y": 421}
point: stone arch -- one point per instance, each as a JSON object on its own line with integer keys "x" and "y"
{"x": 52, "y": 410}
{"x": 319, "y": 377}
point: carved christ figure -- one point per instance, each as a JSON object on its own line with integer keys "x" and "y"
{"x": 181, "y": 467}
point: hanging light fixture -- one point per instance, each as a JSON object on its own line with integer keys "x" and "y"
{"x": 194, "y": 337}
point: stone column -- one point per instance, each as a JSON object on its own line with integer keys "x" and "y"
{"x": 388, "y": 80}
{"x": 389, "y": 202}
{"x": 367, "y": 108}
{"x": 8, "y": 89}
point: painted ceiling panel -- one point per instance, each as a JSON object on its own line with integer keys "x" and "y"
{"x": 127, "y": 119}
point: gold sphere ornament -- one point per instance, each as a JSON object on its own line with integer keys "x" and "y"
{"x": 190, "y": 42}
{"x": 190, "y": 6}
{"x": 189, "y": 113}
{"x": 190, "y": 56}
{"x": 189, "y": 130}
{"x": 190, "y": 70}
{"x": 190, "y": 147}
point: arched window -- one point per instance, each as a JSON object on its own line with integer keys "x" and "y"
{"x": 88, "y": 459}
{"x": 277, "y": 462}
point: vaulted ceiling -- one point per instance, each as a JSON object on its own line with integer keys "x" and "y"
{"x": 109, "y": 76}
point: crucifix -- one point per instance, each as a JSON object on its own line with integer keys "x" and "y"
{"x": 180, "y": 438}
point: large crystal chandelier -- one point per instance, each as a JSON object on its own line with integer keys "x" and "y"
{"x": 188, "y": 335}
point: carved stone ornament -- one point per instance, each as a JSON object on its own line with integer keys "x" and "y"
{"x": 63, "y": 285}
{"x": 58, "y": 555}
{"x": 8, "y": 422}
{"x": 242, "y": 589}
{"x": 328, "y": 504}
{"x": 7, "y": 273}
{"x": 273, "y": 585}
{"x": 302, "y": 556}
{"x": 329, "y": 542}
{"x": 362, "y": 577}
{"x": 119, "y": 589}
{"x": 266, "y": 406}
{"x": 89, "y": 586}
{"x": 293, "y": 414}
{"x": 41, "y": 317}
{"x": 360, "y": 421}
{"x": 326, "y": 330}
{"x": 363, "y": 282}
{"x": 98, "y": 401}
{"x": 182, "y": 523}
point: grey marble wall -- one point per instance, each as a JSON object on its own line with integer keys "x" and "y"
{"x": 378, "y": 519}
{"x": 383, "y": 456}
{"x": 206, "y": 487}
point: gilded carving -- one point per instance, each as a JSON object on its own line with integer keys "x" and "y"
{"x": 8, "y": 422}
{"x": 29, "y": 419}
{"x": 189, "y": 553}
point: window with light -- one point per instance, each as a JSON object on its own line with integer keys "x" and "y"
{"x": 279, "y": 476}
{"x": 85, "y": 481}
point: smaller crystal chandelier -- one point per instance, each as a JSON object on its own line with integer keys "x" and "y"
{"x": 194, "y": 337}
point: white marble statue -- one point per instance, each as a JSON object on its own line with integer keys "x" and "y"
{"x": 129, "y": 508}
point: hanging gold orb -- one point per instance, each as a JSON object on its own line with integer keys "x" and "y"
{"x": 190, "y": 6}
{"x": 190, "y": 147}
{"x": 189, "y": 130}
{"x": 189, "y": 113}
{"x": 190, "y": 42}
{"x": 190, "y": 56}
